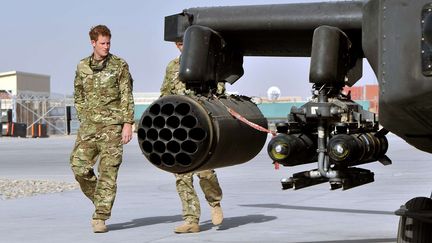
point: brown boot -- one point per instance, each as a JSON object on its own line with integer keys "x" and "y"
{"x": 216, "y": 215}
{"x": 187, "y": 228}
{"x": 99, "y": 226}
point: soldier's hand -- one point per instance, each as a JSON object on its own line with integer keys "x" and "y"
{"x": 126, "y": 133}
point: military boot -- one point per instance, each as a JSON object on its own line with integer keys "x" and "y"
{"x": 187, "y": 228}
{"x": 99, "y": 226}
{"x": 216, "y": 215}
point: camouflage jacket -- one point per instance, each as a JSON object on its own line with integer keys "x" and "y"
{"x": 104, "y": 96}
{"x": 173, "y": 86}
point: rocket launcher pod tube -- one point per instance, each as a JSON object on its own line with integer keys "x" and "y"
{"x": 204, "y": 134}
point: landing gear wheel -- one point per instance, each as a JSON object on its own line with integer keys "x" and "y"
{"x": 413, "y": 230}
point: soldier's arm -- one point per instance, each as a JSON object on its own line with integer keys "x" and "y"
{"x": 126, "y": 100}
{"x": 79, "y": 97}
{"x": 169, "y": 76}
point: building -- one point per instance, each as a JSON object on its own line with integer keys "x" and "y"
{"x": 26, "y": 95}
{"x": 369, "y": 92}
{"x": 16, "y": 82}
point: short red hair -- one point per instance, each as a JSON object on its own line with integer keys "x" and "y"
{"x": 98, "y": 30}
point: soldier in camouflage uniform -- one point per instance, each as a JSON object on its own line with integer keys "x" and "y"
{"x": 104, "y": 104}
{"x": 184, "y": 182}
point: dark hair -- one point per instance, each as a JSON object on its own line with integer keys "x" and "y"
{"x": 98, "y": 30}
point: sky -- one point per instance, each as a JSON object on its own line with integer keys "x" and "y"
{"x": 50, "y": 37}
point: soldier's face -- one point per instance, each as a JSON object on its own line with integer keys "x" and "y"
{"x": 179, "y": 46}
{"x": 101, "y": 47}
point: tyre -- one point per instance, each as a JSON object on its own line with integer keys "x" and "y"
{"x": 413, "y": 230}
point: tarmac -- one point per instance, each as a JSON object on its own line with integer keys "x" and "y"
{"x": 147, "y": 207}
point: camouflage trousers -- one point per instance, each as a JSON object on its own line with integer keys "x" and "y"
{"x": 95, "y": 142}
{"x": 190, "y": 202}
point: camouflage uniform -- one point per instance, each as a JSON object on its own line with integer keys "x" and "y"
{"x": 184, "y": 182}
{"x": 173, "y": 86}
{"x": 104, "y": 102}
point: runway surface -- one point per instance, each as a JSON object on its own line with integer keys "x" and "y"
{"x": 147, "y": 207}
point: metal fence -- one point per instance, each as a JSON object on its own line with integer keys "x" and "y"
{"x": 32, "y": 108}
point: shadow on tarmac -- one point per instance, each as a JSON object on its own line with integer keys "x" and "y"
{"x": 338, "y": 210}
{"x": 232, "y": 222}
{"x": 227, "y": 223}
{"x": 356, "y": 241}
{"x": 145, "y": 222}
